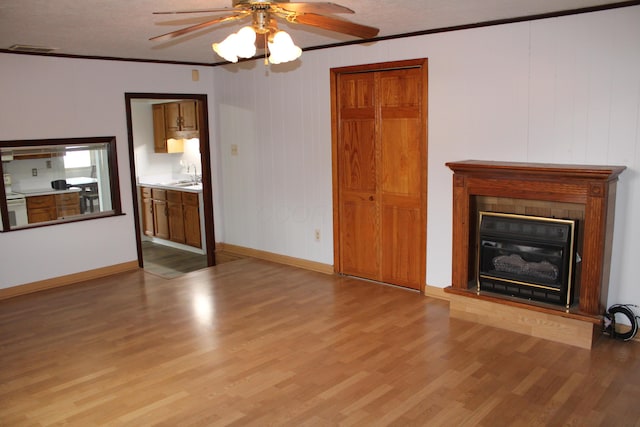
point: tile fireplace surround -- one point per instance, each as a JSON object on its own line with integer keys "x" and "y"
{"x": 584, "y": 193}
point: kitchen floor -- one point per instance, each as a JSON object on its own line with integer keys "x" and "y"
{"x": 170, "y": 262}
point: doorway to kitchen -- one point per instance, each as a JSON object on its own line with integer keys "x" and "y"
{"x": 171, "y": 182}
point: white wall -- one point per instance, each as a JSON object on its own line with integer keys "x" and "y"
{"x": 562, "y": 90}
{"x": 58, "y": 98}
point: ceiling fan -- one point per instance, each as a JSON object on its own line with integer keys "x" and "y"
{"x": 264, "y": 14}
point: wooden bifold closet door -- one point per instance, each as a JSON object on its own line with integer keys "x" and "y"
{"x": 380, "y": 170}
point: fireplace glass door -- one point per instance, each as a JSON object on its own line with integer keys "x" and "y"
{"x": 526, "y": 257}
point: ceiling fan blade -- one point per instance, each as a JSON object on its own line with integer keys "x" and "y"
{"x": 175, "y": 12}
{"x": 320, "y": 7}
{"x": 335, "y": 24}
{"x": 201, "y": 26}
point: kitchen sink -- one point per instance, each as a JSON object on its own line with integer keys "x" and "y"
{"x": 185, "y": 184}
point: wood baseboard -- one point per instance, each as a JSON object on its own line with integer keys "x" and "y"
{"x": 435, "y": 292}
{"x": 68, "y": 279}
{"x": 280, "y": 259}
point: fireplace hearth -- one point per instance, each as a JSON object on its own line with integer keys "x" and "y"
{"x": 526, "y": 257}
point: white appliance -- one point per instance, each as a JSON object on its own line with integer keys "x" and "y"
{"x": 17, "y": 206}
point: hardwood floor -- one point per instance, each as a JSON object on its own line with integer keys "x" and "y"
{"x": 252, "y": 343}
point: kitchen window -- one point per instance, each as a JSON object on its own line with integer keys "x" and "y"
{"x": 53, "y": 181}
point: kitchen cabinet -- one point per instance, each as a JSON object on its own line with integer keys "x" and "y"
{"x": 171, "y": 215}
{"x": 67, "y": 204}
{"x": 191, "y": 213}
{"x": 41, "y": 208}
{"x": 173, "y": 122}
{"x": 50, "y": 207}
{"x": 160, "y": 213}
{"x": 180, "y": 116}
{"x": 176, "y": 219}
{"x": 147, "y": 211}
{"x": 159, "y": 132}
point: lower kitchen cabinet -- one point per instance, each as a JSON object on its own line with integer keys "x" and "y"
{"x": 50, "y": 207}
{"x": 160, "y": 213}
{"x": 176, "y": 219}
{"x": 147, "y": 211}
{"x": 171, "y": 215}
{"x": 191, "y": 213}
{"x": 68, "y": 204}
{"x": 41, "y": 208}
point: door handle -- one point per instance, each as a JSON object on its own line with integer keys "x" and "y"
{"x": 371, "y": 198}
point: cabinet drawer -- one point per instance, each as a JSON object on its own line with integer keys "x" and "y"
{"x": 159, "y": 194}
{"x": 67, "y": 199}
{"x": 190, "y": 198}
{"x": 174, "y": 196}
{"x": 35, "y": 202}
{"x": 145, "y": 191}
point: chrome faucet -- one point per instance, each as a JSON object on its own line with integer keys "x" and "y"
{"x": 195, "y": 172}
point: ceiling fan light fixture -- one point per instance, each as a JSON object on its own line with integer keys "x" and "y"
{"x": 282, "y": 49}
{"x": 237, "y": 45}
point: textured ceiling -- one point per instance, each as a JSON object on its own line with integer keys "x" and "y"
{"x": 121, "y": 29}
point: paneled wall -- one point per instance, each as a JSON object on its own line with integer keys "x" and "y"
{"x": 562, "y": 90}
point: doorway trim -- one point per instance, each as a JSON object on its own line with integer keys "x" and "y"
{"x": 205, "y": 160}
{"x": 421, "y": 63}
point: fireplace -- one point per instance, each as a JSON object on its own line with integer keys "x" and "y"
{"x": 584, "y": 194}
{"x": 526, "y": 257}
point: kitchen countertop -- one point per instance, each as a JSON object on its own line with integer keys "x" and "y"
{"x": 194, "y": 188}
{"x": 45, "y": 191}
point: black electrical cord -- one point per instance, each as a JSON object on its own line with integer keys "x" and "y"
{"x": 610, "y": 321}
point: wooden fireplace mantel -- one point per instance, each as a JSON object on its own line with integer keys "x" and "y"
{"x": 591, "y": 187}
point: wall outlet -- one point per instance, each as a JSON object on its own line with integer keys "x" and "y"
{"x": 317, "y": 235}
{"x": 34, "y": 172}
{"x": 234, "y": 149}
{"x": 48, "y": 164}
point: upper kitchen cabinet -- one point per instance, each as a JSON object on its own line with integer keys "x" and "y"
{"x": 172, "y": 122}
{"x": 160, "y": 143}
{"x": 181, "y": 117}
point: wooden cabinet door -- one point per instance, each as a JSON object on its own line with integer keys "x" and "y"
{"x": 160, "y": 213}
{"x": 68, "y": 204}
{"x": 147, "y": 211}
{"x": 191, "y": 212}
{"x": 161, "y": 219}
{"x": 172, "y": 118}
{"x": 159, "y": 133}
{"x": 380, "y": 167}
{"x": 188, "y": 115}
{"x": 41, "y": 209}
{"x": 176, "y": 219}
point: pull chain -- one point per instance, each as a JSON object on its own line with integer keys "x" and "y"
{"x": 266, "y": 49}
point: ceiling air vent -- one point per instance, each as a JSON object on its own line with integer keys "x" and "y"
{"x": 31, "y": 49}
